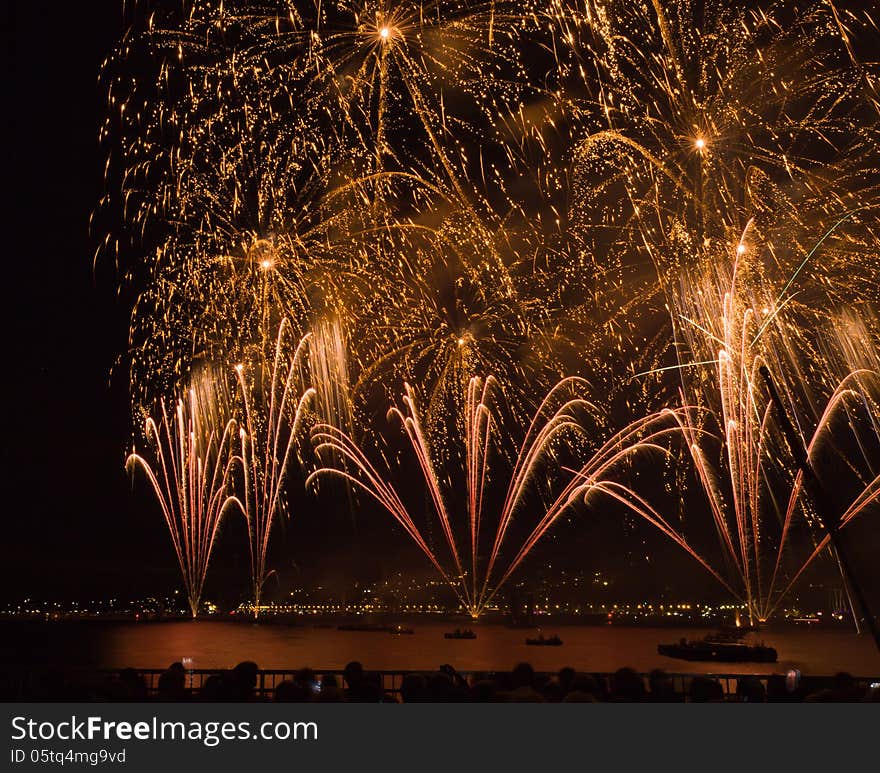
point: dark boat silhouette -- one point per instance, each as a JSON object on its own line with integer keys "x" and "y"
{"x": 467, "y": 633}
{"x": 400, "y": 629}
{"x": 542, "y": 641}
{"x": 723, "y": 647}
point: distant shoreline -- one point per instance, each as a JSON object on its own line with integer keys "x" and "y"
{"x": 332, "y": 621}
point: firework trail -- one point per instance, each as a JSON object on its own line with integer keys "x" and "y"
{"x": 731, "y": 330}
{"x": 189, "y": 471}
{"x": 328, "y": 363}
{"x": 845, "y": 446}
{"x": 476, "y": 568}
{"x": 273, "y": 406}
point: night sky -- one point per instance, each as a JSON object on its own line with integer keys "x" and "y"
{"x": 71, "y": 525}
{"x": 65, "y": 499}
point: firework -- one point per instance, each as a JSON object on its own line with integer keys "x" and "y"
{"x": 476, "y": 568}
{"x": 405, "y": 85}
{"x": 440, "y": 190}
{"x": 733, "y": 330}
{"x": 328, "y": 362}
{"x": 190, "y": 476}
{"x": 260, "y": 142}
{"x": 273, "y": 406}
{"x": 223, "y": 284}
{"x": 461, "y": 304}
{"x": 275, "y": 159}
{"x": 704, "y": 116}
{"x": 845, "y": 444}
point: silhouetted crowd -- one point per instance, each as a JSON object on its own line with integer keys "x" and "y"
{"x": 357, "y": 685}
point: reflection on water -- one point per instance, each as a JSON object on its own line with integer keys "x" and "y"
{"x": 586, "y": 648}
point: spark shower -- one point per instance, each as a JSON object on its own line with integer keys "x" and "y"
{"x": 456, "y": 200}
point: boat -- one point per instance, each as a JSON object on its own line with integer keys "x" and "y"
{"x": 542, "y": 641}
{"x": 467, "y": 633}
{"x": 726, "y": 636}
{"x": 398, "y": 630}
{"x": 722, "y": 648}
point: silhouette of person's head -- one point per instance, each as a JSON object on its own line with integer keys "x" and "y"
{"x": 705, "y": 690}
{"x": 846, "y": 688}
{"x": 330, "y": 691}
{"x": 133, "y": 683}
{"x": 843, "y": 681}
{"x": 172, "y": 683}
{"x": 661, "y": 684}
{"x": 441, "y": 686}
{"x": 214, "y": 688}
{"x": 413, "y": 688}
{"x": 523, "y": 675}
{"x": 776, "y": 689}
{"x": 627, "y": 685}
{"x": 584, "y": 689}
{"x": 306, "y": 678}
{"x": 292, "y": 690}
{"x": 243, "y": 679}
{"x": 353, "y": 674}
{"x": 750, "y": 689}
{"x": 566, "y": 677}
{"x": 372, "y": 685}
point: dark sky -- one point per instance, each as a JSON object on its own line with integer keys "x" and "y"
{"x": 66, "y": 428}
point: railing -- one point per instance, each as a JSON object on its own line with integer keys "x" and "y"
{"x": 21, "y": 685}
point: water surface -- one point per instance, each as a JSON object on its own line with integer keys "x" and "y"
{"x": 213, "y": 644}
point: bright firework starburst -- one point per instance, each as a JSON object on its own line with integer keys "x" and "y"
{"x": 702, "y": 117}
